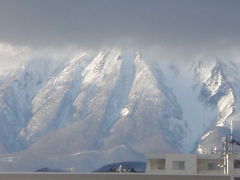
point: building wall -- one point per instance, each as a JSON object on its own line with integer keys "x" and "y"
{"x": 193, "y": 164}
{"x": 190, "y": 162}
{"x": 157, "y": 164}
{"x": 203, "y": 166}
{"x": 236, "y": 172}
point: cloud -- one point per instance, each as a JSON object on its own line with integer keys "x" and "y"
{"x": 186, "y": 24}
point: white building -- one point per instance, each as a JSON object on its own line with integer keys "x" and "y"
{"x": 194, "y": 164}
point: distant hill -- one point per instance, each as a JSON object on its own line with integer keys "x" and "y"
{"x": 52, "y": 170}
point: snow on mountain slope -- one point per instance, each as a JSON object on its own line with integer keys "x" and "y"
{"x": 17, "y": 92}
{"x": 113, "y": 101}
{"x": 195, "y": 115}
{"x": 148, "y": 117}
{"x": 52, "y": 104}
{"x": 110, "y": 84}
{"x": 220, "y": 91}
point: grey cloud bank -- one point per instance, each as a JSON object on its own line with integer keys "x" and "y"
{"x": 187, "y": 24}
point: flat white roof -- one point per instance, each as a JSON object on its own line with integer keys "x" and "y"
{"x": 197, "y": 156}
{"x": 165, "y": 156}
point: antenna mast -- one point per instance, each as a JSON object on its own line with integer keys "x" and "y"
{"x": 232, "y": 138}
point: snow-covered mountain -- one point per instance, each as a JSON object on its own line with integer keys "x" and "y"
{"x": 113, "y": 106}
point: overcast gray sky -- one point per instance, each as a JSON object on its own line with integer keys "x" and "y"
{"x": 92, "y": 23}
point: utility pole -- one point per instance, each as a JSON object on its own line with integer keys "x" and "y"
{"x": 226, "y": 155}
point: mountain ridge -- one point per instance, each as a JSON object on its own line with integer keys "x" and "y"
{"x": 117, "y": 100}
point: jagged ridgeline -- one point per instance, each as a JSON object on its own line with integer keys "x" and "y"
{"x": 113, "y": 106}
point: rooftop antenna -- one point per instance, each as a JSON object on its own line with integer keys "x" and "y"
{"x": 226, "y": 143}
{"x": 227, "y": 140}
{"x": 231, "y": 135}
